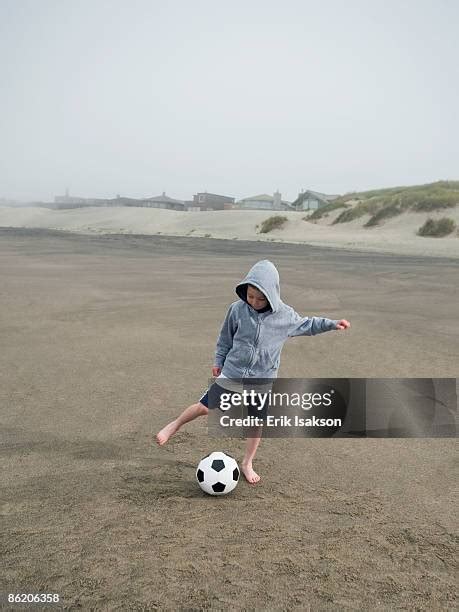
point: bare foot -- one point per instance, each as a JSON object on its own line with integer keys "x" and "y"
{"x": 249, "y": 473}
{"x": 166, "y": 432}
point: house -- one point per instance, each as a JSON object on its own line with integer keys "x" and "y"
{"x": 163, "y": 201}
{"x": 118, "y": 201}
{"x": 312, "y": 200}
{"x": 68, "y": 201}
{"x": 264, "y": 202}
{"x": 208, "y": 201}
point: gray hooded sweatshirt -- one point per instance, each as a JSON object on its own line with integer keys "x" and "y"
{"x": 250, "y": 342}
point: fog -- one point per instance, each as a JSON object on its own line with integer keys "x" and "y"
{"x": 240, "y": 98}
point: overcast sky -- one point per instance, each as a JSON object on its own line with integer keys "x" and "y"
{"x": 138, "y": 97}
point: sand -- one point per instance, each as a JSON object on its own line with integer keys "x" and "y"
{"x": 396, "y": 235}
{"x": 105, "y": 338}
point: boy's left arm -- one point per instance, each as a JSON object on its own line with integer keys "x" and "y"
{"x": 310, "y": 326}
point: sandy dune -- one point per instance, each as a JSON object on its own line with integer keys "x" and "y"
{"x": 397, "y": 235}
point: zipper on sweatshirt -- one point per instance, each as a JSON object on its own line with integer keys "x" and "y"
{"x": 257, "y": 334}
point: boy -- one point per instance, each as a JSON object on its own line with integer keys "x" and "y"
{"x": 249, "y": 346}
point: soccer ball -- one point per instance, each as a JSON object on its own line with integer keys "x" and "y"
{"x": 217, "y": 473}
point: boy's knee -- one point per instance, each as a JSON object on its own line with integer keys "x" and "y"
{"x": 203, "y": 409}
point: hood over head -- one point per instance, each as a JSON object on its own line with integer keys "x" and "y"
{"x": 265, "y": 277}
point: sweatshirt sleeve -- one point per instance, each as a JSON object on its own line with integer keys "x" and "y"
{"x": 309, "y": 326}
{"x": 225, "y": 339}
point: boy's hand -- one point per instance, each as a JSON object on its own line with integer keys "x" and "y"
{"x": 343, "y": 324}
{"x": 216, "y": 371}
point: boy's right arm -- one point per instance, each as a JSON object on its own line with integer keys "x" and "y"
{"x": 225, "y": 339}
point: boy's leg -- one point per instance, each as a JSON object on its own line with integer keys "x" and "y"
{"x": 251, "y": 448}
{"x": 189, "y": 414}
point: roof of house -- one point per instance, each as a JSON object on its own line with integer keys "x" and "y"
{"x": 114, "y": 200}
{"x": 324, "y": 196}
{"x": 164, "y": 198}
{"x": 214, "y": 194}
{"x": 263, "y": 197}
{"x": 320, "y": 196}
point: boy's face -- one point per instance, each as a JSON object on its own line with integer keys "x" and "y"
{"x": 256, "y": 298}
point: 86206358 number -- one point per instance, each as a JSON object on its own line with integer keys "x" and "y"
{"x": 33, "y": 598}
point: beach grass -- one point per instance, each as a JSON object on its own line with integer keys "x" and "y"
{"x": 384, "y": 204}
{"x": 271, "y": 223}
{"x": 437, "y": 227}
{"x": 324, "y": 210}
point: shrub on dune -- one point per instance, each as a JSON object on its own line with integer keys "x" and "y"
{"x": 384, "y": 213}
{"x": 359, "y": 210}
{"x": 324, "y": 210}
{"x": 271, "y": 223}
{"x": 437, "y": 228}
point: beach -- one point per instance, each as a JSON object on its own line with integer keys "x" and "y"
{"x": 109, "y": 330}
